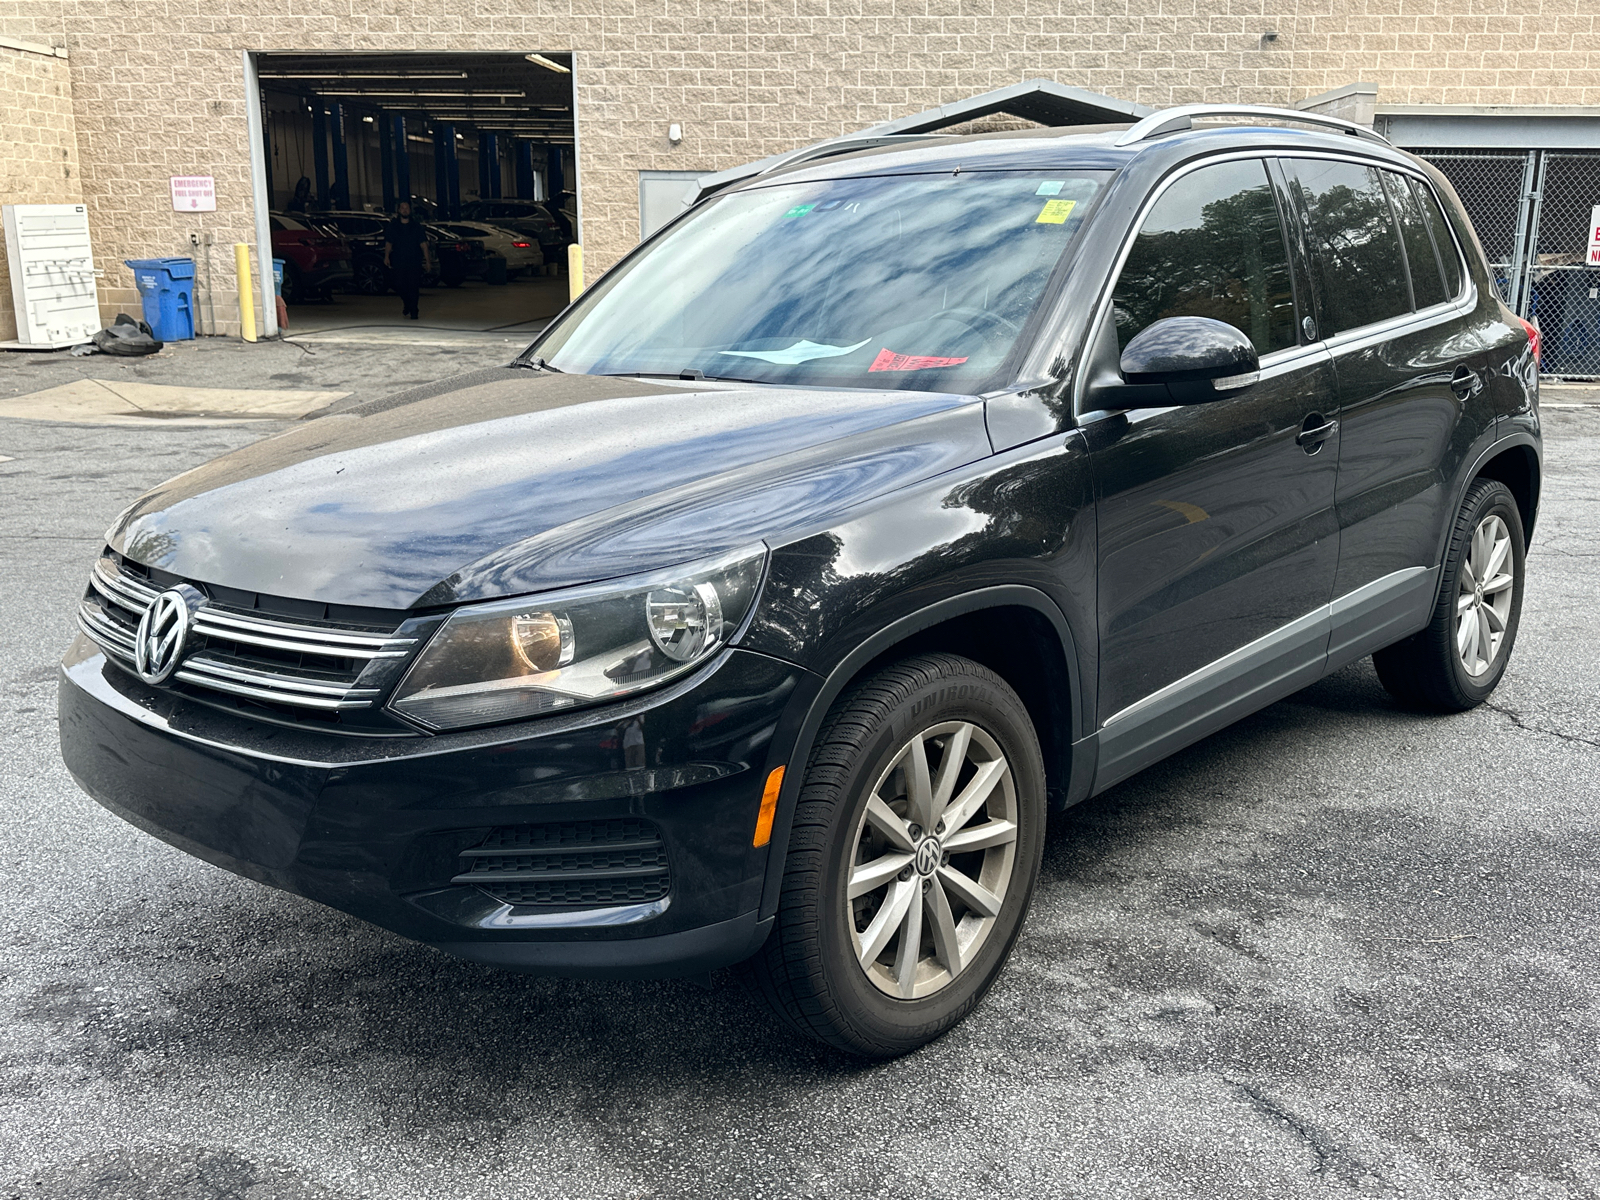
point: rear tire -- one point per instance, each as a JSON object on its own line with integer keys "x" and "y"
{"x": 1456, "y": 662}
{"x": 876, "y": 951}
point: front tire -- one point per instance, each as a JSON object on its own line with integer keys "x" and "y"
{"x": 371, "y": 277}
{"x": 1456, "y": 662}
{"x": 912, "y": 858}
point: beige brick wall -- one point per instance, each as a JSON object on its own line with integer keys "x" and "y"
{"x": 39, "y": 153}
{"x": 1533, "y": 52}
{"x": 157, "y": 83}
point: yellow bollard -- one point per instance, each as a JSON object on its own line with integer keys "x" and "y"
{"x": 574, "y": 271}
{"x": 247, "y": 304}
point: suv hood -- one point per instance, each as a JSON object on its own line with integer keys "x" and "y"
{"x": 511, "y": 480}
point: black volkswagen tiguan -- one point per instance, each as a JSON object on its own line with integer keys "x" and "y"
{"x": 879, "y": 506}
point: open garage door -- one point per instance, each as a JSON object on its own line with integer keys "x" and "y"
{"x": 481, "y": 147}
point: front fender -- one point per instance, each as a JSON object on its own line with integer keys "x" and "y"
{"x": 808, "y": 708}
{"x": 1015, "y": 531}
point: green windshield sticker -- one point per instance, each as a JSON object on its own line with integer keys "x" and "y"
{"x": 799, "y": 210}
{"x": 1050, "y": 187}
{"x": 1055, "y": 212}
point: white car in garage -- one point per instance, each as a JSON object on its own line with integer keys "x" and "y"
{"x": 520, "y": 253}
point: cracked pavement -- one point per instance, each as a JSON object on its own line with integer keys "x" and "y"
{"x": 1338, "y": 949}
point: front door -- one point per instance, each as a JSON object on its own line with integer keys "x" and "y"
{"x": 1218, "y": 542}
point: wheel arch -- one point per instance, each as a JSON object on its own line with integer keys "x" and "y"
{"x": 1015, "y": 630}
{"x": 1515, "y": 455}
{"x": 1517, "y": 466}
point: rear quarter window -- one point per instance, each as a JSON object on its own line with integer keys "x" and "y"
{"x": 1449, "y": 255}
{"x": 1427, "y": 285}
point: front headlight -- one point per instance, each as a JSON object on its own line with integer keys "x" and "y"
{"x": 537, "y": 654}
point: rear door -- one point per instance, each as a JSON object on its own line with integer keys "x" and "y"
{"x": 1217, "y": 539}
{"x": 1411, "y": 374}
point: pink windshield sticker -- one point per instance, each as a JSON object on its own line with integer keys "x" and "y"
{"x": 888, "y": 360}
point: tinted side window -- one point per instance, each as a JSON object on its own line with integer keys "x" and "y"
{"x": 1355, "y": 250}
{"x": 1448, "y": 254}
{"x": 1426, "y": 283}
{"x": 1211, "y": 247}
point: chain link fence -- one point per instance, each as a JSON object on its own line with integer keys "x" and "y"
{"x": 1534, "y": 212}
{"x": 1492, "y": 186}
{"x": 1564, "y": 294}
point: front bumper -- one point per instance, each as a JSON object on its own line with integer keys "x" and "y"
{"x": 376, "y": 826}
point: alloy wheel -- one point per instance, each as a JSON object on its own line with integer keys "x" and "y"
{"x": 1483, "y": 602}
{"x": 934, "y": 856}
{"x": 372, "y": 278}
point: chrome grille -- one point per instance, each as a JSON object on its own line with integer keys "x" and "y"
{"x": 302, "y": 665}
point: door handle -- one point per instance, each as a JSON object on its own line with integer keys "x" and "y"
{"x": 1316, "y": 430}
{"x": 1466, "y": 382}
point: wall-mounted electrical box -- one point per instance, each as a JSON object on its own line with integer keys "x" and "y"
{"x": 52, "y": 273}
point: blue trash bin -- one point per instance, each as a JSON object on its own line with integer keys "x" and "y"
{"x": 166, "y": 288}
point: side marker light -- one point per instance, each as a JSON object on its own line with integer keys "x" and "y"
{"x": 769, "y": 808}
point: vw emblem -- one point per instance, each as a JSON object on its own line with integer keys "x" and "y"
{"x": 158, "y": 644}
{"x": 929, "y": 854}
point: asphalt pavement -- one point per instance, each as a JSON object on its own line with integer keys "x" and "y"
{"x": 1338, "y": 949}
{"x": 366, "y": 363}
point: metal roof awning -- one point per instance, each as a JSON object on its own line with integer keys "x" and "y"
{"x": 1043, "y": 101}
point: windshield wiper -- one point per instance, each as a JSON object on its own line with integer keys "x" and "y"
{"x": 536, "y": 364}
{"x": 688, "y": 375}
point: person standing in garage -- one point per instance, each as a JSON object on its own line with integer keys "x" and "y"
{"x": 405, "y": 253}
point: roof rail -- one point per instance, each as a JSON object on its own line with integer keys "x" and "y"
{"x": 849, "y": 144}
{"x": 1175, "y": 120}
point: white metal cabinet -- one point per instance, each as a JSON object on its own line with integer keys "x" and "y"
{"x": 52, "y": 273}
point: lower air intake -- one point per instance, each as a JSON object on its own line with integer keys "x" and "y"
{"x": 567, "y": 864}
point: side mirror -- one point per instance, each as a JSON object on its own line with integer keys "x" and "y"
{"x": 1196, "y": 358}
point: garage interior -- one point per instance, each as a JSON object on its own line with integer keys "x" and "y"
{"x": 347, "y": 136}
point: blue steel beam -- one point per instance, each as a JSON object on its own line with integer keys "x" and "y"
{"x": 402, "y": 162}
{"x": 319, "y": 149}
{"x": 386, "y": 162}
{"x": 447, "y": 170}
{"x": 525, "y": 184}
{"x": 489, "y": 166}
{"x": 341, "y": 160}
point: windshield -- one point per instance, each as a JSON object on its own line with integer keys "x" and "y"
{"x": 911, "y": 281}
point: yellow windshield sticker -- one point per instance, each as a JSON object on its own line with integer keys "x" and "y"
{"x": 1055, "y": 212}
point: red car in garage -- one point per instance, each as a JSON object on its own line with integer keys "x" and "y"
{"x": 314, "y": 260}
